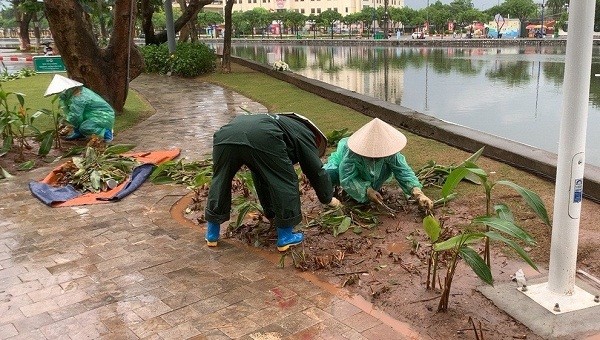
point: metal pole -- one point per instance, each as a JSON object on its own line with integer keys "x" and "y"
{"x": 543, "y": 30}
{"x": 571, "y": 148}
{"x": 170, "y": 26}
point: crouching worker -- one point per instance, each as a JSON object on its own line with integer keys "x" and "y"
{"x": 363, "y": 162}
{"x": 269, "y": 145}
{"x": 89, "y": 113}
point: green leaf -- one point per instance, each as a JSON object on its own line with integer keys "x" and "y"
{"x": 432, "y": 227}
{"x": 514, "y": 245}
{"x": 243, "y": 209}
{"x": 532, "y": 199}
{"x": 505, "y": 226}
{"x": 444, "y": 200}
{"x": 26, "y": 165}
{"x": 503, "y": 212}
{"x": 7, "y": 143}
{"x": 474, "y": 157}
{"x": 78, "y": 162}
{"x": 4, "y": 173}
{"x": 477, "y": 264}
{"x": 20, "y": 98}
{"x": 95, "y": 180}
{"x": 342, "y": 227}
{"x": 76, "y": 150}
{"x": 46, "y": 144}
{"x": 458, "y": 241}
{"x": 118, "y": 149}
{"x": 452, "y": 180}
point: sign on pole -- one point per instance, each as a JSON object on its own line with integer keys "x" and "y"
{"x": 48, "y": 64}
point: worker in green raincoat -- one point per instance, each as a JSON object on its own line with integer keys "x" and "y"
{"x": 89, "y": 113}
{"x": 269, "y": 145}
{"x": 363, "y": 162}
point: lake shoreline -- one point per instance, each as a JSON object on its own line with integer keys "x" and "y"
{"x": 528, "y": 158}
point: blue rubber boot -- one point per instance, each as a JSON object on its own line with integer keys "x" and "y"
{"x": 287, "y": 238}
{"x": 74, "y": 135}
{"x": 213, "y": 230}
{"x": 108, "y": 136}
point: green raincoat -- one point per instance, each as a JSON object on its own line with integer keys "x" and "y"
{"x": 356, "y": 173}
{"x": 89, "y": 113}
{"x": 269, "y": 145}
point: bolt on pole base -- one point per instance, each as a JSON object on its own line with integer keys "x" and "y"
{"x": 559, "y": 303}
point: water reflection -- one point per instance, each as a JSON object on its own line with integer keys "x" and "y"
{"x": 512, "y": 92}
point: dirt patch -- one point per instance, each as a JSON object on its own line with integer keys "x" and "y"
{"x": 387, "y": 263}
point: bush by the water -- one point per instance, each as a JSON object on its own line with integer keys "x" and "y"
{"x": 189, "y": 59}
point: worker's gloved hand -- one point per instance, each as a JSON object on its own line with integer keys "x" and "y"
{"x": 335, "y": 203}
{"x": 423, "y": 201}
{"x": 374, "y": 196}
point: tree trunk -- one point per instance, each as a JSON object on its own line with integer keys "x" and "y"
{"x": 106, "y": 71}
{"x": 226, "y": 61}
{"x": 190, "y": 12}
{"x": 24, "y": 19}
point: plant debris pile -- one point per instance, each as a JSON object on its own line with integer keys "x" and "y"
{"x": 97, "y": 167}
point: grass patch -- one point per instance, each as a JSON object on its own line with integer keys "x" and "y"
{"x": 34, "y": 87}
{"x": 279, "y": 96}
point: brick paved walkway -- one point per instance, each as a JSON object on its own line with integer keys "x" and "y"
{"x": 127, "y": 270}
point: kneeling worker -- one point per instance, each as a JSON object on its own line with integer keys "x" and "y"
{"x": 363, "y": 162}
{"x": 89, "y": 113}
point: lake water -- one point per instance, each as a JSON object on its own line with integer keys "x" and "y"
{"x": 511, "y": 92}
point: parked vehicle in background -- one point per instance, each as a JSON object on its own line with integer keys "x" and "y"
{"x": 418, "y": 35}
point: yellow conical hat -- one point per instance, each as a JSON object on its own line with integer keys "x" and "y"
{"x": 60, "y": 83}
{"x": 377, "y": 139}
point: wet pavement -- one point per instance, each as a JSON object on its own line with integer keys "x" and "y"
{"x": 128, "y": 270}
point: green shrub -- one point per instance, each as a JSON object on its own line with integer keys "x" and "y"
{"x": 156, "y": 58}
{"x": 189, "y": 60}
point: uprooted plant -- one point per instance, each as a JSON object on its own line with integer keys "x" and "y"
{"x": 97, "y": 169}
{"x": 497, "y": 224}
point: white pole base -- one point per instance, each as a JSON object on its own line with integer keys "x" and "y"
{"x": 566, "y": 303}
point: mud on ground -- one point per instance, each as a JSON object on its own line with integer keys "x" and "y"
{"x": 387, "y": 264}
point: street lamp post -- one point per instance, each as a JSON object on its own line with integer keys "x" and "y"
{"x": 542, "y": 27}
{"x": 385, "y": 18}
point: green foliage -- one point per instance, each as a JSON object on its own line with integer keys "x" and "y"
{"x": 17, "y": 126}
{"x": 22, "y": 73}
{"x": 336, "y": 135}
{"x": 498, "y": 223}
{"x": 192, "y": 174}
{"x": 433, "y": 174}
{"x": 189, "y": 59}
{"x": 156, "y": 58}
{"x": 97, "y": 170}
{"x": 339, "y": 220}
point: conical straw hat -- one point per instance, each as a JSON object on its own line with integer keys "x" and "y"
{"x": 320, "y": 138}
{"x": 377, "y": 139}
{"x": 60, "y": 83}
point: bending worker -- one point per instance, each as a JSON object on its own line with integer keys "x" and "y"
{"x": 269, "y": 145}
{"x": 363, "y": 162}
{"x": 89, "y": 113}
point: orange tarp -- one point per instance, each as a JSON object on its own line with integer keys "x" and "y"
{"x": 153, "y": 157}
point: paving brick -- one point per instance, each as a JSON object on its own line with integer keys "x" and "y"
{"x": 181, "y": 331}
{"x": 39, "y": 307}
{"x": 382, "y": 331}
{"x": 239, "y": 328}
{"x": 128, "y": 270}
{"x": 23, "y": 288}
{"x": 361, "y": 321}
{"x": 150, "y": 327}
{"x": 7, "y": 331}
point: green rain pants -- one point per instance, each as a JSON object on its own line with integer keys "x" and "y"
{"x": 275, "y": 180}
